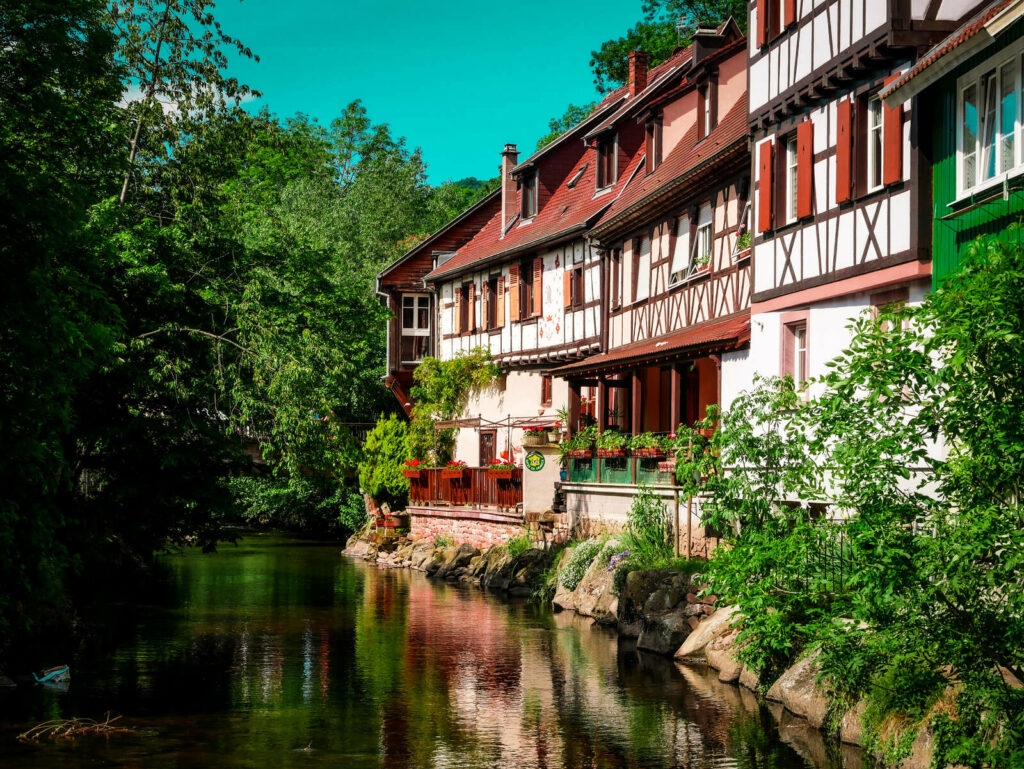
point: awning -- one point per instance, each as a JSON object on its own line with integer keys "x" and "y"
{"x": 718, "y": 335}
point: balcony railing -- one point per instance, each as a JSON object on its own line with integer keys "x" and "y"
{"x": 628, "y": 470}
{"x": 474, "y": 487}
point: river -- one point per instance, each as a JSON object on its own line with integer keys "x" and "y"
{"x": 278, "y": 652}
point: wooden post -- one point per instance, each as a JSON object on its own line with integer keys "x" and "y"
{"x": 675, "y": 528}
{"x": 689, "y": 527}
{"x": 677, "y": 396}
{"x": 574, "y": 407}
{"x": 636, "y": 392}
{"x": 602, "y": 404}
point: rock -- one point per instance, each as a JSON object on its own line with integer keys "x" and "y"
{"x": 527, "y": 570}
{"x": 638, "y": 588}
{"x": 749, "y": 679}
{"x": 851, "y": 728}
{"x": 709, "y": 629}
{"x": 356, "y": 547}
{"x": 565, "y": 599}
{"x": 721, "y": 655}
{"x": 422, "y": 554}
{"x": 798, "y": 690}
{"x": 495, "y": 560}
{"x": 454, "y": 561}
{"x": 593, "y": 597}
{"x": 662, "y": 633}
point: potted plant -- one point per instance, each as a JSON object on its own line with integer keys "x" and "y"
{"x": 555, "y": 432}
{"x": 412, "y": 469}
{"x": 502, "y": 468}
{"x": 535, "y": 436}
{"x": 611, "y": 443}
{"x": 454, "y": 470}
{"x": 647, "y": 445}
{"x": 580, "y": 446}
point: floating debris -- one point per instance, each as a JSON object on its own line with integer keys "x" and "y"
{"x": 70, "y": 728}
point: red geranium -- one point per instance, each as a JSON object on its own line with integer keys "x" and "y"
{"x": 412, "y": 463}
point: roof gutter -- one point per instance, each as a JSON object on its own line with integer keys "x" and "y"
{"x": 906, "y": 88}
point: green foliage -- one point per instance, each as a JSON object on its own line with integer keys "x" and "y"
{"x": 519, "y": 544}
{"x": 306, "y": 504}
{"x": 657, "y": 34}
{"x": 441, "y": 391}
{"x": 443, "y": 541}
{"x": 644, "y": 441}
{"x": 648, "y": 531}
{"x": 610, "y": 439}
{"x": 582, "y": 556}
{"x": 574, "y": 115}
{"x": 384, "y": 452}
{"x": 584, "y": 438}
{"x": 547, "y": 584}
{"x": 933, "y": 545}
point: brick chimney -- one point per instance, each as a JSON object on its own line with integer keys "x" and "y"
{"x": 509, "y": 202}
{"x": 637, "y": 72}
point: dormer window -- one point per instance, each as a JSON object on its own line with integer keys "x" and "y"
{"x": 654, "y": 134}
{"x": 607, "y": 167}
{"x": 529, "y": 196}
{"x": 706, "y": 117}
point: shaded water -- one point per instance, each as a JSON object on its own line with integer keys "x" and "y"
{"x": 280, "y": 653}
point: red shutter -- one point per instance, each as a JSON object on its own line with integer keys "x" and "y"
{"x": 892, "y": 140}
{"x": 471, "y": 315}
{"x": 538, "y": 286}
{"x": 513, "y": 293}
{"x": 764, "y": 186}
{"x": 485, "y": 304}
{"x": 789, "y": 13}
{"x": 844, "y": 149}
{"x": 499, "y": 308}
{"x": 762, "y": 22}
{"x": 457, "y": 325}
{"x": 567, "y": 289}
{"x": 804, "y": 168}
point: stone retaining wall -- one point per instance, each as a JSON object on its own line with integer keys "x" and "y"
{"x": 481, "y": 529}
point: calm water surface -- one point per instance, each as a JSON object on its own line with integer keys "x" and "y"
{"x": 280, "y": 653}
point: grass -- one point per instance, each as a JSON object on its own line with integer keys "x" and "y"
{"x": 443, "y": 541}
{"x": 519, "y": 545}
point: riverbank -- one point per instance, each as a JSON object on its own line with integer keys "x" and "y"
{"x": 664, "y": 612}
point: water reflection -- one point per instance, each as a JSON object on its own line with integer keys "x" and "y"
{"x": 280, "y": 654}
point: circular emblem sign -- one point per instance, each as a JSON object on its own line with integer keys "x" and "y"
{"x": 534, "y": 461}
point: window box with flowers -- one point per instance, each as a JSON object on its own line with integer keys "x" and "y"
{"x": 580, "y": 446}
{"x": 535, "y": 436}
{"x": 647, "y": 445}
{"x": 502, "y": 468}
{"x": 413, "y": 469}
{"x": 455, "y": 470}
{"x": 611, "y": 444}
{"x": 555, "y": 432}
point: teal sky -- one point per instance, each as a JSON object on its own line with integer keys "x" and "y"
{"x": 458, "y": 79}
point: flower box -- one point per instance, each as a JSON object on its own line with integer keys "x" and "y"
{"x": 668, "y": 466}
{"x": 535, "y": 439}
{"x": 554, "y": 436}
{"x": 453, "y": 473}
{"x": 411, "y": 472}
{"x": 651, "y": 452}
{"x": 502, "y": 474}
{"x": 611, "y": 453}
{"x": 707, "y": 432}
{"x": 581, "y": 453}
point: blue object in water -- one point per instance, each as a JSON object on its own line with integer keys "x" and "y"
{"x": 55, "y": 675}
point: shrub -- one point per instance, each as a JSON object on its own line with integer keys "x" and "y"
{"x": 299, "y": 503}
{"x": 648, "y": 533}
{"x": 611, "y": 439}
{"x": 442, "y": 541}
{"x": 384, "y": 454}
{"x": 583, "y": 554}
{"x": 519, "y": 545}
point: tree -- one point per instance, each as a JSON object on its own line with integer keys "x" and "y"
{"x": 574, "y": 115}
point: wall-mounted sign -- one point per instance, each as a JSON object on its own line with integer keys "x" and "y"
{"x": 534, "y": 461}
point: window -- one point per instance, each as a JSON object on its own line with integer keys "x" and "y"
{"x": 791, "y": 178}
{"x": 492, "y": 296}
{"x": 545, "y": 390}
{"x": 577, "y": 293}
{"x": 655, "y": 129}
{"x": 875, "y": 149}
{"x": 706, "y": 110}
{"x": 988, "y": 123}
{"x": 606, "y": 165}
{"x": 530, "y": 288}
{"x": 702, "y": 242}
{"x": 743, "y": 230}
{"x": 529, "y": 197}
{"x": 415, "y": 327}
{"x": 794, "y": 352}
{"x": 465, "y": 307}
{"x": 681, "y": 252}
{"x": 616, "y": 280}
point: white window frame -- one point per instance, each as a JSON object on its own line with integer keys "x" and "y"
{"x": 704, "y": 240}
{"x": 792, "y": 163}
{"x": 679, "y": 268}
{"x": 876, "y": 150}
{"x": 415, "y": 330}
{"x": 643, "y": 268}
{"x": 1008, "y": 61}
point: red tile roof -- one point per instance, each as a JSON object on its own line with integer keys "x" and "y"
{"x": 966, "y": 32}
{"x": 687, "y": 158}
{"x": 722, "y": 333}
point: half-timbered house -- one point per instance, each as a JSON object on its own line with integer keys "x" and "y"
{"x": 843, "y": 200}
{"x": 676, "y": 258}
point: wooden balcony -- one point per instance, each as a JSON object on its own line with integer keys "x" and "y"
{"x": 476, "y": 487}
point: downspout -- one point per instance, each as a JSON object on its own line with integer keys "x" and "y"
{"x": 387, "y": 337}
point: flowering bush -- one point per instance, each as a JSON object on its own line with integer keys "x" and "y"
{"x": 580, "y": 560}
{"x": 616, "y": 559}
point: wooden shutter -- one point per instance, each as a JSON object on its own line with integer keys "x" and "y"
{"x": 892, "y": 140}
{"x": 764, "y": 186}
{"x": 499, "y": 308}
{"x": 788, "y": 351}
{"x": 471, "y": 314}
{"x": 567, "y": 289}
{"x": 485, "y": 305}
{"x": 844, "y": 149}
{"x": 457, "y": 325}
{"x": 804, "y": 168}
{"x": 513, "y": 293}
{"x": 762, "y": 22}
{"x": 789, "y": 12}
{"x": 538, "y": 286}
